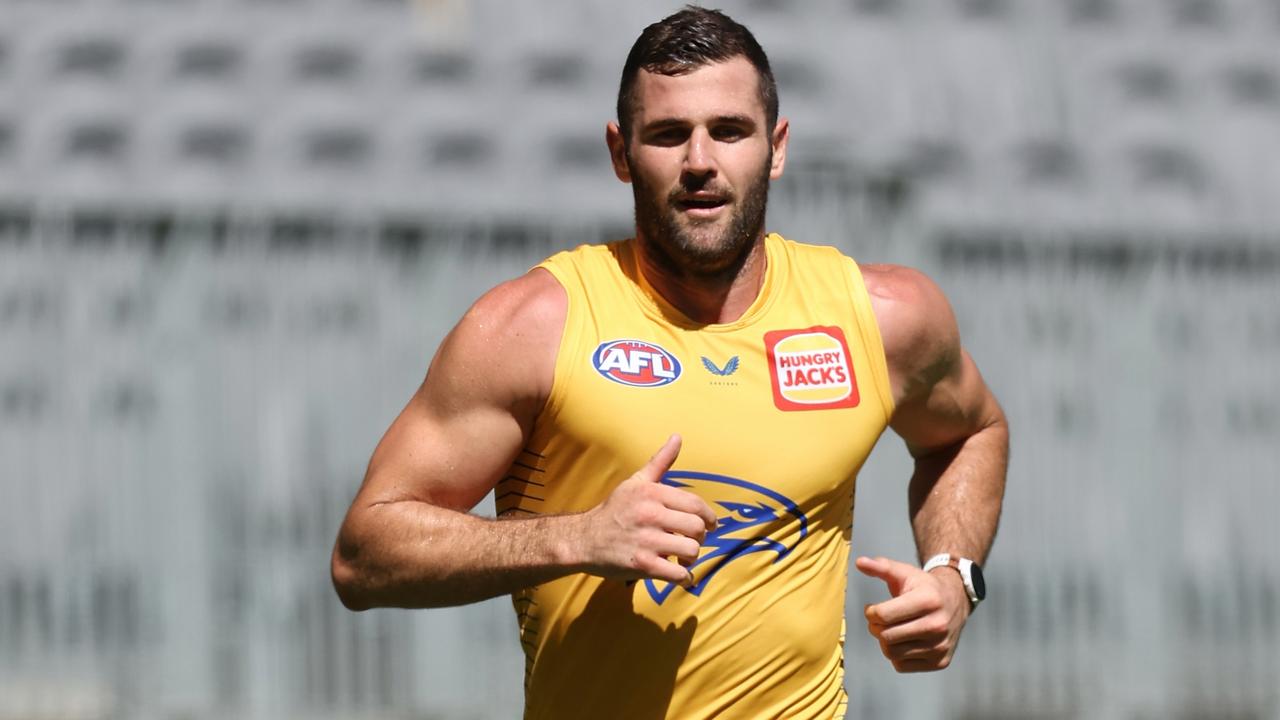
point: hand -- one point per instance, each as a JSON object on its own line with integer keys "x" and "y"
{"x": 643, "y": 522}
{"x": 918, "y": 628}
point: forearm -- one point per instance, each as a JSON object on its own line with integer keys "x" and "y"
{"x": 413, "y": 555}
{"x": 956, "y": 494}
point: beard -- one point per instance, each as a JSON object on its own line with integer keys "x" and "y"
{"x": 707, "y": 250}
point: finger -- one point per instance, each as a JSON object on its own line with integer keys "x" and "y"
{"x": 932, "y": 627}
{"x": 907, "y": 606}
{"x": 659, "y": 568}
{"x": 662, "y": 460}
{"x": 687, "y": 502}
{"x": 682, "y": 523}
{"x": 895, "y": 574}
{"x": 914, "y": 650}
{"x": 915, "y": 666}
{"x": 684, "y": 549}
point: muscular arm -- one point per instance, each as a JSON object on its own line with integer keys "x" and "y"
{"x": 408, "y": 539}
{"x": 958, "y": 436}
{"x": 951, "y": 423}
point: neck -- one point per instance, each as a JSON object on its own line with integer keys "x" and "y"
{"x": 710, "y": 298}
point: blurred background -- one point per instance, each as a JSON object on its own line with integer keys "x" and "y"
{"x": 233, "y": 232}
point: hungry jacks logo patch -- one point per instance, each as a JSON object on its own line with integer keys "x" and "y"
{"x": 810, "y": 369}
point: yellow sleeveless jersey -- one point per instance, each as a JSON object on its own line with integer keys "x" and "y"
{"x": 778, "y": 411}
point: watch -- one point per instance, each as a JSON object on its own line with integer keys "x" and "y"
{"x": 975, "y": 586}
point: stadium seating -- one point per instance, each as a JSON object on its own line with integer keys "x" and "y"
{"x": 232, "y": 233}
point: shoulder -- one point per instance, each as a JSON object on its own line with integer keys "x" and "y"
{"x": 917, "y": 326}
{"x": 905, "y": 294}
{"x": 504, "y": 347}
{"x": 518, "y": 310}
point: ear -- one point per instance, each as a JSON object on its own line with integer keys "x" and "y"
{"x": 781, "y": 133}
{"x": 617, "y": 151}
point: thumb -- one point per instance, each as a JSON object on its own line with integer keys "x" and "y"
{"x": 894, "y": 574}
{"x": 662, "y": 460}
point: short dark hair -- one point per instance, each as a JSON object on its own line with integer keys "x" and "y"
{"x": 683, "y": 42}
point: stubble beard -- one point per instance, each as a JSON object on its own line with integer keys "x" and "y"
{"x": 688, "y": 250}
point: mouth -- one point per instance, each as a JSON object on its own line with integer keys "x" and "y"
{"x": 701, "y": 205}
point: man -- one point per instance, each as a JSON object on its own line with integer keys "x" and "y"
{"x": 706, "y": 579}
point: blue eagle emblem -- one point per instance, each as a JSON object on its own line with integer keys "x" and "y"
{"x": 753, "y": 516}
{"x": 729, "y": 368}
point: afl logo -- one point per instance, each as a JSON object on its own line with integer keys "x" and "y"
{"x": 636, "y": 363}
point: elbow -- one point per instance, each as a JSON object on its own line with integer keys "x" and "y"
{"x": 998, "y": 427}
{"x": 996, "y": 417}
{"x": 348, "y": 582}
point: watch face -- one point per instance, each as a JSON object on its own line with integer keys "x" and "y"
{"x": 979, "y": 583}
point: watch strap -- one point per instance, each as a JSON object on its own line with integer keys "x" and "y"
{"x": 964, "y": 566}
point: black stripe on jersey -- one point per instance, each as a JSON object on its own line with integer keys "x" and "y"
{"x": 509, "y": 493}
{"x": 523, "y": 480}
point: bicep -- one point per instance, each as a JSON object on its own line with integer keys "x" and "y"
{"x": 958, "y": 405}
{"x": 447, "y": 457}
{"x": 940, "y": 397}
{"x": 474, "y": 411}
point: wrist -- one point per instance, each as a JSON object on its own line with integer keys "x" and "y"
{"x": 566, "y": 547}
{"x": 970, "y": 573}
{"x": 953, "y": 582}
{"x": 578, "y": 545}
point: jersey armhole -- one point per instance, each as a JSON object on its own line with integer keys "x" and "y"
{"x": 871, "y": 340}
{"x": 567, "y": 352}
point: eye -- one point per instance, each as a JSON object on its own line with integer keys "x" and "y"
{"x": 668, "y": 137}
{"x": 728, "y": 133}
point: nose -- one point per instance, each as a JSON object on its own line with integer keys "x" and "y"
{"x": 699, "y": 159}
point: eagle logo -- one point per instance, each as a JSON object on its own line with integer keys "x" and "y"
{"x": 751, "y": 517}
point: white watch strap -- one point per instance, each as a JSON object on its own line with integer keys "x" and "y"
{"x": 937, "y": 561}
{"x": 964, "y": 566}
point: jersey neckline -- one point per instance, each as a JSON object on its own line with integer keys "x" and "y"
{"x": 658, "y": 309}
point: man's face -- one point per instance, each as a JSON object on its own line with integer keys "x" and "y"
{"x": 700, "y": 158}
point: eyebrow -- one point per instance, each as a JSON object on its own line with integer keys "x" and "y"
{"x": 665, "y": 123}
